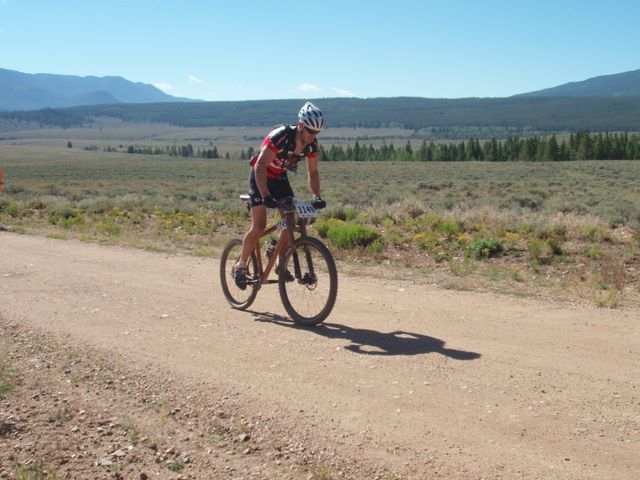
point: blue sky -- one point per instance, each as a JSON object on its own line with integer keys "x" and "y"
{"x": 249, "y": 49}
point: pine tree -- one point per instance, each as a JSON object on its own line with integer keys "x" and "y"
{"x": 552, "y": 152}
{"x": 408, "y": 152}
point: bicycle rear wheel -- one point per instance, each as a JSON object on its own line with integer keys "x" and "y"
{"x": 238, "y": 298}
{"x": 309, "y": 299}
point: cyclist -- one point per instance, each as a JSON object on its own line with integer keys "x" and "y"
{"x": 280, "y": 152}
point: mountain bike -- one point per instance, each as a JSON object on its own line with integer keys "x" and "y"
{"x": 309, "y": 292}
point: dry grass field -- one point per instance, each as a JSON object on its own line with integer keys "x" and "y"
{"x": 562, "y": 229}
{"x": 113, "y": 132}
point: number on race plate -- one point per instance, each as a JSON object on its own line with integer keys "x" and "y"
{"x": 304, "y": 210}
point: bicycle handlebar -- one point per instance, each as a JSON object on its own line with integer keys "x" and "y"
{"x": 287, "y": 203}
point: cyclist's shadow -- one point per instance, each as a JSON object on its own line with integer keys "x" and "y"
{"x": 372, "y": 342}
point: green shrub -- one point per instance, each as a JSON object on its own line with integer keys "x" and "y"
{"x": 350, "y": 214}
{"x": 596, "y": 233}
{"x": 554, "y": 231}
{"x": 12, "y": 209}
{"x": 524, "y": 228}
{"x": 555, "y": 245}
{"x": 66, "y": 217}
{"x": 594, "y": 251}
{"x": 342, "y": 213}
{"x": 485, "y": 248}
{"x": 395, "y": 238}
{"x": 377, "y": 247}
{"x": 510, "y": 239}
{"x": 386, "y": 222}
{"x": 322, "y": 227}
{"x": 108, "y": 228}
{"x": 449, "y": 228}
{"x": 536, "y": 248}
{"x": 346, "y": 234}
{"x": 427, "y": 241}
{"x": 426, "y": 222}
{"x": 539, "y": 251}
{"x": 543, "y": 250}
{"x": 36, "y": 204}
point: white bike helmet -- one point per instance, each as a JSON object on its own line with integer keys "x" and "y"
{"x": 311, "y": 117}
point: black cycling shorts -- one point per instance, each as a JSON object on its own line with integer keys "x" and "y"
{"x": 279, "y": 188}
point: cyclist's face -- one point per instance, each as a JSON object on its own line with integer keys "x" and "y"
{"x": 309, "y": 134}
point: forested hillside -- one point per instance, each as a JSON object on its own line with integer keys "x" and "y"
{"x": 521, "y": 114}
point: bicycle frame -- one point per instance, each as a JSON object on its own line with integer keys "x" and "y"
{"x": 284, "y": 241}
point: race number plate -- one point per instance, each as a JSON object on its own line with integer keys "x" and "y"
{"x": 304, "y": 209}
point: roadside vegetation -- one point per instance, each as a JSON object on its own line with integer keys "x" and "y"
{"x": 567, "y": 229}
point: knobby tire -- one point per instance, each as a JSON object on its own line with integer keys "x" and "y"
{"x": 237, "y": 298}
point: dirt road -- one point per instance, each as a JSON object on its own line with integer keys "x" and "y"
{"x": 426, "y": 382}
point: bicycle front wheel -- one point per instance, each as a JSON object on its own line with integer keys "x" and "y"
{"x": 310, "y": 298}
{"x": 237, "y": 297}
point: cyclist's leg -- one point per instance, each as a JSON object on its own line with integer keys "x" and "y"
{"x": 258, "y": 224}
{"x": 258, "y": 220}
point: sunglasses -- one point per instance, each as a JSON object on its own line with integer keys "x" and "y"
{"x": 311, "y": 131}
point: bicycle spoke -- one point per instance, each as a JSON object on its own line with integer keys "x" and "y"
{"x": 310, "y": 298}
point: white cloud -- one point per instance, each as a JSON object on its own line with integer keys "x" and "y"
{"x": 308, "y": 88}
{"x": 343, "y": 93}
{"x": 194, "y": 79}
{"x": 167, "y": 87}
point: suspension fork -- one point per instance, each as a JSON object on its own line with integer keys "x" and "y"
{"x": 307, "y": 253}
{"x": 296, "y": 260}
{"x": 290, "y": 217}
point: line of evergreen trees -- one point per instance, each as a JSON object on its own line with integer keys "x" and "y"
{"x": 579, "y": 146}
{"x": 186, "y": 151}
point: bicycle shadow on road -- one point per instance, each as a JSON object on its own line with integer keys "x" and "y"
{"x": 371, "y": 342}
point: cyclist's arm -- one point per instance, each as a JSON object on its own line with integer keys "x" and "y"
{"x": 265, "y": 158}
{"x": 314, "y": 175}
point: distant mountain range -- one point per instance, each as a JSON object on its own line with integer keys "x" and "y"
{"x": 608, "y": 103}
{"x": 625, "y": 84}
{"x": 24, "y": 91}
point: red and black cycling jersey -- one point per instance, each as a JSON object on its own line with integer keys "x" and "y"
{"x": 282, "y": 141}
